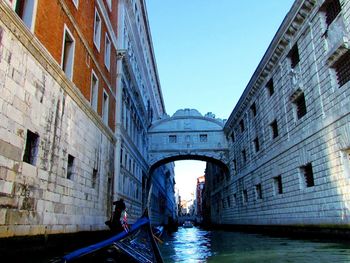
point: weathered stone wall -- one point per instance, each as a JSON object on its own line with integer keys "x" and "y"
{"x": 36, "y": 96}
{"x": 320, "y": 138}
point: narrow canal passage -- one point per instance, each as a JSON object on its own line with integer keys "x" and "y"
{"x": 196, "y": 245}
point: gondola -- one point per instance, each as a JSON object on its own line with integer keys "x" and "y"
{"x": 138, "y": 245}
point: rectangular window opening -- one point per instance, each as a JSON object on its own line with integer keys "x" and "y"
{"x": 203, "y": 137}
{"x": 241, "y": 125}
{"x": 70, "y": 167}
{"x": 244, "y": 156}
{"x": 277, "y": 183}
{"x": 97, "y": 30}
{"x": 308, "y": 176}
{"x": 172, "y": 139}
{"x": 94, "y": 177}
{"x": 253, "y": 109}
{"x": 105, "y": 108}
{"x": 274, "y": 129}
{"x": 270, "y": 87}
{"x": 294, "y": 56}
{"x": 256, "y": 144}
{"x": 331, "y": 8}
{"x": 258, "y": 191}
{"x": 31, "y": 148}
{"x": 245, "y": 196}
{"x": 68, "y": 54}
{"x": 342, "y": 68}
{"x": 25, "y": 10}
{"x": 94, "y": 91}
{"x": 300, "y": 105}
{"x": 107, "y": 52}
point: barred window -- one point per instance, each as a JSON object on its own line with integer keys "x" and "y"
{"x": 308, "y": 175}
{"x": 241, "y": 125}
{"x": 300, "y": 105}
{"x": 294, "y": 56}
{"x": 258, "y": 191}
{"x": 245, "y": 196}
{"x": 253, "y": 109}
{"x": 70, "y": 167}
{"x": 244, "y": 156}
{"x": 270, "y": 87}
{"x": 274, "y": 129}
{"x": 342, "y": 68}
{"x": 31, "y": 148}
{"x": 277, "y": 183}
{"x": 332, "y": 9}
{"x": 172, "y": 138}
{"x": 256, "y": 144}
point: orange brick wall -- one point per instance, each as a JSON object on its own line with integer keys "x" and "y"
{"x": 49, "y": 28}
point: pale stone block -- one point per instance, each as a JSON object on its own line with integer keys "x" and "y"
{"x": 3, "y": 216}
{"x": 29, "y": 170}
{"x": 6, "y": 187}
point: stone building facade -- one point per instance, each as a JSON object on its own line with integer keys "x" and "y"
{"x": 63, "y": 78}
{"x": 289, "y": 134}
{"x": 140, "y": 102}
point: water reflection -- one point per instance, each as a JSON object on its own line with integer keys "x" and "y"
{"x": 196, "y": 245}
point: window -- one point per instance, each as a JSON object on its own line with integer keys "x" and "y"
{"x": 233, "y": 137}
{"x": 25, "y": 10}
{"x": 258, "y": 191}
{"x": 235, "y": 199}
{"x": 244, "y": 156}
{"x": 107, "y": 51}
{"x": 31, "y": 148}
{"x": 228, "y": 201}
{"x": 294, "y": 56}
{"x": 70, "y": 167}
{"x": 241, "y": 125}
{"x": 203, "y": 137}
{"x": 307, "y": 175}
{"x": 109, "y": 4}
{"x": 105, "y": 107}
{"x": 94, "y": 91}
{"x": 234, "y": 164}
{"x": 342, "y": 68}
{"x": 300, "y": 105}
{"x": 253, "y": 109}
{"x": 256, "y": 144}
{"x": 332, "y": 9}
{"x": 245, "y": 196}
{"x": 94, "y": 178}
{"x": 274, "y": 129}
{"x": 76, "y": 3}
{"x": 172, "y": 138}
{"x": 97, "y": 30}
{"x": 277, "y": 185}
{"x": 68, "y": 53}
{"x": 270, "y": 88}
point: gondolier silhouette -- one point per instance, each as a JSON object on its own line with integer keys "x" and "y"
{"x": 115, "y": 224}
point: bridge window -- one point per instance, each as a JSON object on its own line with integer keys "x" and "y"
{"x": 172, "y": 139}
{"x": 270, "y": 87}
{"x": 307, "y": 175}
{"x": 258, "y": 191}
{"x": 277, "y": 185}
{"x": 203, "y": 137}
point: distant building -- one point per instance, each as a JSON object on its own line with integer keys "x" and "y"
{"x": 199, "y": 195}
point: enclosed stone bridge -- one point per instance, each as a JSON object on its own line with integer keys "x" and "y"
{"x": 187, "y": 135}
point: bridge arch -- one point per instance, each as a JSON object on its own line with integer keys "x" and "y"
{"x": 187, "y": 135}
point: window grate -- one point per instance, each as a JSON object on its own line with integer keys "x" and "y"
{"x": 342, "y": 67}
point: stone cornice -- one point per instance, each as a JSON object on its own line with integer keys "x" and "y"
{"x": 44, "y": 58}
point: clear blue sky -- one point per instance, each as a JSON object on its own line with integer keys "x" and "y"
{"x": 207, "y": 51}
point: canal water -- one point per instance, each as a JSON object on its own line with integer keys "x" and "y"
{"x": 196, "y": 245}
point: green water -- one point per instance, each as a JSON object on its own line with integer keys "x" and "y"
{"x": 196, "y": 245}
